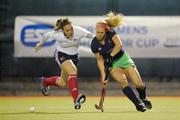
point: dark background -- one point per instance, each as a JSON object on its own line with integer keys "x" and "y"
{"x": 163, "y": 69}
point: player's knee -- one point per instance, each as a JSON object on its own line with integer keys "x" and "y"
{"x": 139, "y": 85}
{"x": 123, "y": 83}
{"x": 62, "y": 83}
{"x": 73, "y": 71}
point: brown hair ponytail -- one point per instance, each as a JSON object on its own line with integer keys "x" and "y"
{"x": 60, "y": 23}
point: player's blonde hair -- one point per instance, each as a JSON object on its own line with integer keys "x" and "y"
{"x": 114, "y": 20}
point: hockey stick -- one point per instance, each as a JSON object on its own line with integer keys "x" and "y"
{"x": 103, "y": 92}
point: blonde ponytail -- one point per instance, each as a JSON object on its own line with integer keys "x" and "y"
{"x": 114, "y": 20}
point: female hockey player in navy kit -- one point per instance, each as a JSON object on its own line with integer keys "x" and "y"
{"x": 107, "y": 47}
{"x": 66, "y": 55}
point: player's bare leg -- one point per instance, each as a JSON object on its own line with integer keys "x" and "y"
{"x": 71, "y": 69}
{"x": 118, "y": 74}
{"x": 134, "y": 75}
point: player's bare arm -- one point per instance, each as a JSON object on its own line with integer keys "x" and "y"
{"x": 100, "y": 63}
{"x": 44, "y": 38}
{"x": 118, "y": 44}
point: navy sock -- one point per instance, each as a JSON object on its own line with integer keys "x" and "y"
{"x": 142, "y": 92}
{"x": 131, "y": 95}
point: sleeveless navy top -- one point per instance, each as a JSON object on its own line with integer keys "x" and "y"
{"x": 107, "y": 48}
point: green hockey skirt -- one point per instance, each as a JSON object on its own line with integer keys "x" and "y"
{"x": 124, "y": 62}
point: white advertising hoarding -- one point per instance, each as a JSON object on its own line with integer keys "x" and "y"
{"x": 142, "y": 36}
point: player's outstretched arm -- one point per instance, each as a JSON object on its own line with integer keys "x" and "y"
{"x": 44, "y": 38}
{"x": 90, "y": 35}
{"x": 85, "y": 33}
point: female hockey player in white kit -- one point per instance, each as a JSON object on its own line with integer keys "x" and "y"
{"x": 68, "y": 37}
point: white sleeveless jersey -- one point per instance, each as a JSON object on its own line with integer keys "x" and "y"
{"x": 68, "y": 46}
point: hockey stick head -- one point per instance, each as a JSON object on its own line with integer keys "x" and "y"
{"x": 98, "y": 107}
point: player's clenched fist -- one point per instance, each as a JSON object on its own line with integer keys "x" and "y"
{"x": 38, "y": 47}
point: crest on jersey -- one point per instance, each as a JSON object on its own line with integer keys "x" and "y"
{"x": 99, "y": 48}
